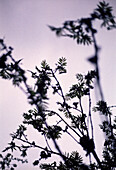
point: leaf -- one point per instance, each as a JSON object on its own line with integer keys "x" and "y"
{"x": 75, "y": 104}
{"x": 1, "y": 156}
{"x": 24, "y": 153}
{"x": 14, "y": 165}
{"x": 103, "y": 108}
{"x": 11, "y": 168}
{"x": 43, "y": 155}
{"x": 44, "y": 65}
{"x": 104, "y": 12}
{"x": 36, "y": 162}
{"x": 8, "y": 155}
{"x": 61, "y": 64}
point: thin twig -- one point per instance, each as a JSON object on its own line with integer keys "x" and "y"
{"x": 90, "y": 116}
{"x": 72, "y": 137}
{"x": 47, "y": 143}
{"x": 83, "y": 115}
{"x": 90, "y": 158}
{"x": 64, "y": 101}
{"x": 111, "y": 106}
{"x": 37, "y": 146}
{"x": 65, "y": 123}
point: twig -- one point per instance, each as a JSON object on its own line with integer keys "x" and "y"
{"x": 47, "y": 143}
{"x": 72, "y": 137}
{"x": 90, "y": 116}
{"x": 37, "y": 146}
{"x": 83, "y": 115}
{"x": 65, "y": 122}
{"x": 64, "y": 101}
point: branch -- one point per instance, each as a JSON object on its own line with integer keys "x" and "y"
{"x": 83, "y": 115}
{"x": 37, "y": 146}
{"x": 65, "y": 123}
{"x": 64, "y": 101}
{"x": 96, "y": 63}
{"x": 72, "y": 137}
{"x": 97, "y": 159}
{"x": 47, "y": 143}
{"x": 90, "y": 116}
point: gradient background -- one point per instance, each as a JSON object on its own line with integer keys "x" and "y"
{"x": 23, "y": 23}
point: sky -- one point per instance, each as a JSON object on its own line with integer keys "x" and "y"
{"x": 24, "y": 26}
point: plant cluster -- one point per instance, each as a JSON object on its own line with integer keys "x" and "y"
{"x": 69, "y": 117}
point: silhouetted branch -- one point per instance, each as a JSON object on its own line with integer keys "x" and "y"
{"x": 66, "y": 123}
{"x": 84, "y": 33}
{"x": 32, "y": 144}
{"x": 90, "y": 117}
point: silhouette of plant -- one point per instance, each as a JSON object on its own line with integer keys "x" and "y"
{"x": 69, "y": 117}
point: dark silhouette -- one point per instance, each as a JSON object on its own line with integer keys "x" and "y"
{"x": 69, "y": 118}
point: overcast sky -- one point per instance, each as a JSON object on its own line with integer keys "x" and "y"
{"x": 24, "y": 25}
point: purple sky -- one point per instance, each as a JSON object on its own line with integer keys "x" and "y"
{"x": 23, "y": 23}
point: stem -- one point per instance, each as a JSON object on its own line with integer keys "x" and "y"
{"x": 97, "y": 159}
{"x": 96, "y": 64}
{"x": 90, "y": 159}
{"x": 90, "y": 116}
{"x": 64, "y": 101}
{"x": 40, "y": 147}
{"x": 72, "y": 137}
{"x": 66, "y": 123}
{"x": 47, "y": 143}
{"x": 55, "y": 144}
{"x": 84, "y": 119}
